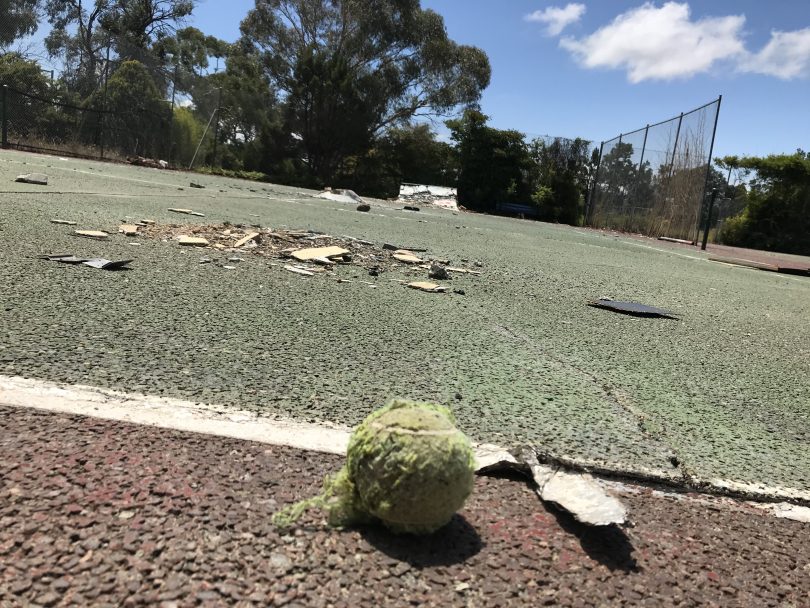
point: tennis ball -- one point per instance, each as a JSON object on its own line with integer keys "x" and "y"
{"x": 407, "y": 467}
{"x": 410, "y": 467}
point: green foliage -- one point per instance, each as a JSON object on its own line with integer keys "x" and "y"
{"x": 186, "y": 134}
{"x": 349, "y": 69}
{"x": 777, "y": 216}
{"x": 18, "y": 18}
{"x": 137, "y": 119}
{"x": 23, "y": 75}
{"x": 492, "y": 163}
{"x": 83, "y": 34}
{"x": 408, "y": 154}
{"x": 559, "y": 176}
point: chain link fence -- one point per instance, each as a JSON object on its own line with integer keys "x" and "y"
{"x": 47, "y": 124}
{"x": 653, "y": 180}
{"x": 115, "y": 120}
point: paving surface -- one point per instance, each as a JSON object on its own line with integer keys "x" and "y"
{"x": 721, "y": 393}
{"x": 103, "y": 513}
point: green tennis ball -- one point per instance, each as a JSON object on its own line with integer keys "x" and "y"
{"x": 409, "y": 467}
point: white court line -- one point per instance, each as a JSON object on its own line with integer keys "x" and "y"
{"x": 177, "y": 414}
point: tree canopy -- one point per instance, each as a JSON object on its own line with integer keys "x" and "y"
{"x": 777, "y": 214}
{"x": 19, "y": 18}
{"x": 372, "y": 63}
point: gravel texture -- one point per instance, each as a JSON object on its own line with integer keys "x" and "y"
{"x": 103, "y": 513}
{"x": 520, "y": 357}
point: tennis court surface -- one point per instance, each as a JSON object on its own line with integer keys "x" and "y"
{"x": 719, "y": 395}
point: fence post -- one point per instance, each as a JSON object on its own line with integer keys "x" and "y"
{"x": 589, "y": 206}
{"x": 104, "y": 101}
{"x": 643, "y": 148}
{"x": 708, "y": 224}
{"x": 709, "y": 162}
{"x": 4, "y": 140}
{"x": 675, "y": 146}
{"x": 216, "y": 129}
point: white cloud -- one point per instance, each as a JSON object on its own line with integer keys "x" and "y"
{"x": 786, "y": 56}
{"x": 557, "y": 18}
{"x": 664, "y": 43}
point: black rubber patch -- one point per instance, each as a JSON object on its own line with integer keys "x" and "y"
{"x": 632, "y": 308}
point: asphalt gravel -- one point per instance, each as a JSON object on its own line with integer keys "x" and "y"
{"x": 100, "y": 513}
{"x": 721, "y": 393}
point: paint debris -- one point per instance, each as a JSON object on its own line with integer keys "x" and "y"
{"x": 580, "y": 495}
{"x": 104, "y": 264}
{"x": 339, "y": 196}
{"x": 577, "y": 493}
{"x": 301, "y": 271}
{"x": 92, "y": 234}
{"x": 407, "y": 257}
{"x": 193, "y": 241}
{"x": 186, "y": 211}
{"x": 38, "y": 179}
{"x": 100, "y": 263}
{"x": 246, "y": 239}
{"x": 427, "y": 286}
{"x": 318, "y": 252}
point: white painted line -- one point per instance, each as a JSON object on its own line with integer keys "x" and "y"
{"x": 172, "y": 414}
{"x": 177, "y": 414}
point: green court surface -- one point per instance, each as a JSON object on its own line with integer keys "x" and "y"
{"x": 723, "y": 392}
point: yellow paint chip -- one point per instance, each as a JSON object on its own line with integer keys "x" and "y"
{"x": 427, "y": 286}
{"x": 318, "y": 252}
{"x": 92, "y": 234}
{"x": 408, "y": 258}
{"x": 246, "y": 239}
{"x": 193, "y": 241}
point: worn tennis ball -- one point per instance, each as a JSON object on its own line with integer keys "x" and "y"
{"x": 409, "y": 467}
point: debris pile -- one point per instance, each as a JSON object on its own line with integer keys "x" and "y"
{"x": 308, "y": 252}
{"x": 440, "y": 196}
{"x": 152, "y": 163}
{"x": 38, "y": 179}
{"x": 340, "y": 196}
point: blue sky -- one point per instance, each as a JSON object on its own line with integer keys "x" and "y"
{"x": 594, "y": 68}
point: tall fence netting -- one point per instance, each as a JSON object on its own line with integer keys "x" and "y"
{"x": 179, "y": 126}
{"x": 652, "y": 180}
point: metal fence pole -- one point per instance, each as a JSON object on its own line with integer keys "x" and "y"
{"x": 709, "y": 163}
{"x": 643, "y": 148}
{"x": 675, "y": 146}
{"x": 708, "y": 225}
{"x": 216, "y": 129}
{"x": 104, "y": 102}
{"x": 4, "y": 140}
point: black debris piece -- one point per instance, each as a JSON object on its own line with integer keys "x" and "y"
{"x": 103, "y": 264}
{"x": 632, "y": 308}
